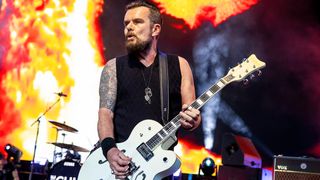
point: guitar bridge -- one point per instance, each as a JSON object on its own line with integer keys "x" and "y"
{"x": 145, "y": 151}
{"x": 133, "y": 168}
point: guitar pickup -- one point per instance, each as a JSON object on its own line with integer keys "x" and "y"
{"x": 145, "y": 151}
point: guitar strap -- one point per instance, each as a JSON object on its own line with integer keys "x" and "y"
{"x": 164, "y": 86}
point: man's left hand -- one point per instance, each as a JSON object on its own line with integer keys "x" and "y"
{"x": 190, "y": 118}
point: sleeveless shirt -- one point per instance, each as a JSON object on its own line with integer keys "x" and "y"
{"x": 131, "y": 106}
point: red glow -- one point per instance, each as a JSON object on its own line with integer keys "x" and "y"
{"x": 195, "y": 12}
{"x": 315, "y": 150}
{"x": 191, "y": 156}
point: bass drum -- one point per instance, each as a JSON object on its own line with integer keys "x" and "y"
{"x": 65, "y": 169}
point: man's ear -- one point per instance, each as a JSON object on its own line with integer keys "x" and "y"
{"x": 156, "y": 30}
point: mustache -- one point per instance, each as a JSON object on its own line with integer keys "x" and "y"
{"x": 130, "y": 34}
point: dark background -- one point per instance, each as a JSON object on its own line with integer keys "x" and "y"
{"x": 282, "y": 107}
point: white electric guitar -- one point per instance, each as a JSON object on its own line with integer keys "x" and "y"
{"x": 145, "y": 145}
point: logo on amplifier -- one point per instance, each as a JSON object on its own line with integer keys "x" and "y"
{"x": 282, "y": 167}
{"x": 53, "y": 177}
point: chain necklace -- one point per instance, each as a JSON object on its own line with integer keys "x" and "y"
{"x": 147, "y": 89}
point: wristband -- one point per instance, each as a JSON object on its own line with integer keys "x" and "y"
{"x": 106, "y": 144}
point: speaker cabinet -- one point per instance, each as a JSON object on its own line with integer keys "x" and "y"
{"x": 239, "y": 151}
{"x": 296, "y": 168}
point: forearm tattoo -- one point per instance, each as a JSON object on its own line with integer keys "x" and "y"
{"x": 108, "y": 85}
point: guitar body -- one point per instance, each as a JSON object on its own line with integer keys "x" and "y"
{"x": 162, "y": 164}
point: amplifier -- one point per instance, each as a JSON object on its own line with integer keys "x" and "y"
{"x": 296, "y": 168}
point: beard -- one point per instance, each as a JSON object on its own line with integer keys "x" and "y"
{"x": 137, "y": 46}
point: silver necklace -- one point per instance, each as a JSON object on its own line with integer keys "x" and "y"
{"x": 147, "y": 89}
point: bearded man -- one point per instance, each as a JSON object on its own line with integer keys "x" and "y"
{"x": 130, "y": 86}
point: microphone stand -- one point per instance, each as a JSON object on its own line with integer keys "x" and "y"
{"x": 37, "y": 135}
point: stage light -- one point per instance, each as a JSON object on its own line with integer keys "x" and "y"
{"x": 13, "y": 152}
{"x": 207, "y": 166}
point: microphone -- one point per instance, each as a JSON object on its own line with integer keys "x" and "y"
{"x": 61, "y": 94}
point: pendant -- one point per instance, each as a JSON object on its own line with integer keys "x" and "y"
{"x": 148, "y": 94}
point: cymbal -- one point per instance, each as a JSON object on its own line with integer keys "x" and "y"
{"x": 63, "y": 126}
{"x": 70, "y": 146}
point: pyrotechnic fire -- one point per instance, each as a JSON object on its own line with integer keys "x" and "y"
{"x": 46, "y": 46}
{"x": 195, "y": 12}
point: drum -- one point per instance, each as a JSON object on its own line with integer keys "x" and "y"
{"x": 65, "y": 170}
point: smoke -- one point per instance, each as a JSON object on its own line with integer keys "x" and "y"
{"x": 210, "y": 54}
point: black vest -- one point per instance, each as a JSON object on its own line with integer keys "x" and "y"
{"x": 131, "y": 106}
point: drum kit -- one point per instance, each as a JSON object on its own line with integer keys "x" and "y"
{"x": 69, "y": 167}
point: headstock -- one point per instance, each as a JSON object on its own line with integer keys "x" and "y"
{"x": 246, "y": 68}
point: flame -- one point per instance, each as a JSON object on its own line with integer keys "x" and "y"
{"x": 195, "y": 12}
{"x": 46, "y": 46}
{"x": 191, "y": 156}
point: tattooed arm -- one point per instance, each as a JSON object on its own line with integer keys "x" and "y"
{"x": 108, "y": 94}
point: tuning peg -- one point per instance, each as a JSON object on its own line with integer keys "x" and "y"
{"x": 252, "y": 76}
{"x": 259, "y": 72}
{"x": 245, "y": 81}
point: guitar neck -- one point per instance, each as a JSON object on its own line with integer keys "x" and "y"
{"x": 171, "y": 127}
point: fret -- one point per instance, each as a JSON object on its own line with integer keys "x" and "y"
{"x": 204, "y": 97}
{"x": 220, "y": 84}
{"x": 195, "y": 105}
{"x": 229, "y": 78}
{"x": 163, "y": 133}
{"x": 157, "y": 140}
{"x": 154, "y": 141}
{"x": 176, "y": 121}
{"x": 214, "y": 89}
{"x": 174, "y": 125}
{"x": 209, "y": 93}
{"x": 167, "y": 127}
{"x": 160, "y": 135}
{"x": 199, "y": 102}
{"x": 171, "y": 128}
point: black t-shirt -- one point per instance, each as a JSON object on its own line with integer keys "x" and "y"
{"x": 132, "y": 79}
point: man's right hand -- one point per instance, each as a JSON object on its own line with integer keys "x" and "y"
{"x": 119, "y": 163}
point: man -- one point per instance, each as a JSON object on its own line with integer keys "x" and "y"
{"x": 130, "y": 88}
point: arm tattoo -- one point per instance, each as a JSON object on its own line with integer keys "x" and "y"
{"x": 108, "y": 85}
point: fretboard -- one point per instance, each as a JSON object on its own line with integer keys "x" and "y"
{"x": 172, "y": 126}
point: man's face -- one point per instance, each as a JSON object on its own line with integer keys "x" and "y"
{"x": 137, "y": 29}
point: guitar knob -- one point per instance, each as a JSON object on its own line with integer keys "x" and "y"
{"x": 252, "y": 76}
{"x": 165, "y": 159}
{"x": 245, "y": 81}
{"x": 259, "y": 73}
